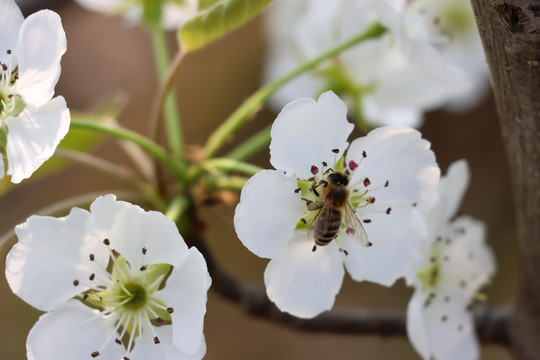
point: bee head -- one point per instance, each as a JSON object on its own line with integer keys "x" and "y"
{"x": 338, "y": 178}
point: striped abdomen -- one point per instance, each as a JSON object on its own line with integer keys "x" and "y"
{"x": 327, "y": 227}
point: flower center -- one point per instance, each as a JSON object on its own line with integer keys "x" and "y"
{"x": 129, "y": 295}
{"x": 10, "y": 103}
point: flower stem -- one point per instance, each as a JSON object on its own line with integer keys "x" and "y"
{"x": 252, "y": 145}
{"x": 146, "y": 144}
{"x": 231, "y": 165}
{"x": 172, "y": 115}
{"x": 254, "y": 102}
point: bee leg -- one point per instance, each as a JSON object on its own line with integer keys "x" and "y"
{"x": 311, "y": 206}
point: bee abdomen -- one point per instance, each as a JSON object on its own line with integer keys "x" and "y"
{"x": 327, "y": 228}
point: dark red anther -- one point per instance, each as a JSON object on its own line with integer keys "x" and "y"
{"x": 314, "y": 169}
{"x": 372, "y": 199}
{"x": 95, "y": 354}
{"x": 170, "y": 310}
{"x": 159, "y": 320}
{"x": 388, "y": 211}
{"x": 8, "y": 51}
{"x": 107, "y": 242}
{"x": 92, "y": 257}
{"x": 324, "y": 163}
{"x": 386, "y": 183}
{"x": 4, "y": 67}
{"x": 156, "y": 340}
{"x": 364, "y": 154}
{"x": 85, "y": 296}
{"x": 92, "y": 277}
{"x": 76, "y": 282}
{"x": 118, "y": 341}
{"x": 352, "y": 165}
{"x": 296, "y": 191}
{"x": 367, "y": 182}
{"x": 143, "y": 268}
{"x": 335, "y": 151}
{"x": 144, "y": 251}
{"x": 303, "y": 220}
{"x": 367, "y": 221}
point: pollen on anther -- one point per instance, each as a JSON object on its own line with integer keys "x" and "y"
{"x": 170, "y": 310}
{"x": 144, "y": 250}
{"x": 92, "y": 257}
{"x": 76, "y": 282}
{"x": 314, "y": 169}
{"x": 367, "y": 182}
{"x": 107, "y": 242}
{"x": 92, "y": 277}
{"x": 335, "y": 151}
{"x": 353, "y": 165}
{"x": 297, "y": 190}
{"x": 143, "y": 268}
{"x": 118, "y": 341}
{"x": 156, "y": 340}
{"x": 388, "y": 211}
{"x": 367, "y": 221}
{"x": 95, "y": 354}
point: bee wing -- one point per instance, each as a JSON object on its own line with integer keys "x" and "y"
{"x": 325, "y": 210}
{"x": 353, "y": 226}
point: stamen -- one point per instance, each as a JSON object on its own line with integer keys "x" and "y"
{"x": 367, "y": 182}
{"x": 92, "y": 257}
{"x": 314, "y": 169}
{"x": 92, "y": 277}
{"x": 335, "y": 151}
{"x": 156, "y": 340}
{"x": 386, "y": 183}
{"x": 367, "y": 221}
{"x": 297, "y": 190}
{"x": 388, "y": 211}
{"x": 107, "y": 242}
{"x": 314, "y": 248}
{"x": 76, "y": 282}
{"x": 170, "y": 310}
{"x": 352, "y": 165}
{"x": 118, "y": 341}
{"x": 95, "y": 354}
{"x": 144, "y": 251}
{"x": 364, "y": 154}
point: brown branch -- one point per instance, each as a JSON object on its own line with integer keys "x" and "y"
{"x": 510, "y": 31}
{"x": 491, "y": 324}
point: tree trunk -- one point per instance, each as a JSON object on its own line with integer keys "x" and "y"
{"x": 510, "y": 31}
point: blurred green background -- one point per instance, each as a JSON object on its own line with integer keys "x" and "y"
{"x": 106, "y": 55}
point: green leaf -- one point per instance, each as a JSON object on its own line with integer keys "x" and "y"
{"x": 204, "y": 4}
{"x": 218, "y": 20}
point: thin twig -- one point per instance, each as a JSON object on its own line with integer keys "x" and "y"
{"x": 491, "y": 323}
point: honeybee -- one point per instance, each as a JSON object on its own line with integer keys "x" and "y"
{"x": 334, "y": 212}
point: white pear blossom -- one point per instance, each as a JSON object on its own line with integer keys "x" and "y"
{"x": 391, "y": 80}
{"x": 32, "y": 123}
{"x": 173, "y": 12}
{"x": 388, "y": 171}
{"x": 456, "y": 264}
{"x": 117, "y": 282}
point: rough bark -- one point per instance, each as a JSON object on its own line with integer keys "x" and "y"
{"x": 510, "y": 31}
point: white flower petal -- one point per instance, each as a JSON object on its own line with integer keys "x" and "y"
{"x": 42, "y": 43}
{"x": 303, "y": 282}
{"x": 443, "y": 330}
{"x": 11, "y": 20}
{"x": 72, "y": 331}
{"x": 2, "y": 168}
{"x": 186, "y": 293}
{"x": 468, "y": 258}
{"x": 146, "y": 349}
{"x": 305, "y": 133}
{"x": 33, "y": 137}
{"x": 399, "y": 155}
{"x": 393, "y": 253}
{"x": 50, "y": 255}
{"x": 268, "y": 212}
{"x": 130, "y": 229}
{"x": 104, "y": 6}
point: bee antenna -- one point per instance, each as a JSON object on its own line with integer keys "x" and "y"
{"x": 327, "y": 170}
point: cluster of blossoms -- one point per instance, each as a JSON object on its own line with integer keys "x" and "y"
{"x": 428, "y": 58}
{"x": 402, "y": 214}
{"x": 118, "y": 277}
{"x": 173, "y": 12}
{"x": 124, "y": 280}
{"x": 32, "y": 122}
